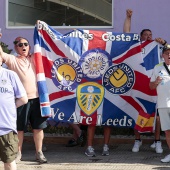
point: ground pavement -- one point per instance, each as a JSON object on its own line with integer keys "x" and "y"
{"x": 73, "y": 158}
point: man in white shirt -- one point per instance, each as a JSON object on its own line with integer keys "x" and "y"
{"x": 160, "y": 80}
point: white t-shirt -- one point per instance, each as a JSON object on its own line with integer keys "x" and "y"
{"x": 10, "y": 89}
{"x": 163, "y": 89}
{"x": 4, "y": 65}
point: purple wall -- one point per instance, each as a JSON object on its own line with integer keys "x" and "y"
{"x": 152, "y": 14}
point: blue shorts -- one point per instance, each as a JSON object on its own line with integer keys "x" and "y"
{"x": 30, "y": 112}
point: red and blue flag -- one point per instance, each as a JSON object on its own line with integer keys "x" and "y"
{"x": 92, "y": 77}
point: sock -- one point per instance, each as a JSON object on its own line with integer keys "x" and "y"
{"x": 89, "y": 146}
{"x": 157, "y": 141}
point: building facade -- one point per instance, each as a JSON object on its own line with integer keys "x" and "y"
{"x": 18, "y": 18}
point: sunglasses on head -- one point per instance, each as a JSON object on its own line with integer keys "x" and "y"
{"x": 21, "y": 44}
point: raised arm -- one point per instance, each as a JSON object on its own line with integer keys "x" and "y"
{"x": 161, "y": 41}
{"x": 2, "y": 54}
{"x": 127, "y": 22}
{"x": 1, "y": 51}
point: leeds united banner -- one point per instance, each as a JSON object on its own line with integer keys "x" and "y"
{"x": 93, "y": 77}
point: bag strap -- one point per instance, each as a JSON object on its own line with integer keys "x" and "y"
{"x": 166, "y": 68}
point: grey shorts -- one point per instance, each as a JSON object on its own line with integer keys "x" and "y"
{"x": 8, "y": 147}
{"x": 164, "y": 114}
{"x": 30, "y": 112}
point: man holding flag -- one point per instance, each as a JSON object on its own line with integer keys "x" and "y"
{"x": 145, "y": 35}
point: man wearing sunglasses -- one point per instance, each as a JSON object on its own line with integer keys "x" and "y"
{"x": 24, "y": 66}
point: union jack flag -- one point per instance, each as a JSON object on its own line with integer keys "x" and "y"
{"x": 92, "y": 77}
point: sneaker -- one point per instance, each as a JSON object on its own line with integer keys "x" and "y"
{"x": 72, "y": 142}
{"x": 18, "y": 157}
{"x": 40, "y": 157}
{"x": 90, "y": 151}
{"x": 158, "y": 147}
{"x": 82, "y": 139}
{"x": 105, "y": 150}
{"x": 153, "y": 146}
{"x": 136, "y": 146}
{"x": 166, "y": 159}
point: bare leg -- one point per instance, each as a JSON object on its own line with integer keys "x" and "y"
{"x": 90, "y": 136}
{"x": 76, "y": 130}
{"x": 38, "y": 135}
{"x": 10, "y": 166}
{"x": 167, "y": 134}
{"x": 137, "y": 135}
{"x": 107, "y": 131}
{"x": 157, "y": 128}
{"x": 21, "y": 138}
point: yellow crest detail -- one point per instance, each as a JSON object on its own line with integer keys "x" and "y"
{"x": 90, "y": 96}
{"x": 66, "y": 71}
{"x": 118, "y": 78}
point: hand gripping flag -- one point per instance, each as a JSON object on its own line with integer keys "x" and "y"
{"x": 92, "y": 77}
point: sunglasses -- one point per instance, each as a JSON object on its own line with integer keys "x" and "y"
{"x": 21, "y": 44}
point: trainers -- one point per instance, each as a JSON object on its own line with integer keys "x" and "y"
{"x": 82, "y": 138}
{"x": 153, "y": 146}
{"x": 40, "y": 157}
{"x": 72, "y": 142}
{"x": 158, "y": 147}
{"x": 90, "y": 151}
{"x": 166, "y": 159}
{"x": 18, "y": 157}
{"x": 136, "y": 146}
{"x": 105, "y": 150}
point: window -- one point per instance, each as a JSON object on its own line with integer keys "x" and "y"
{"x": 60, "y": 13}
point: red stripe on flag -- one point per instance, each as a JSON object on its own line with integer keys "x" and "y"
{"x": 97, "y": 41}
{"x": 132, "y": 102}
{"x": 130, "y": 52}
{"x": 43, "y": 61}
{"x": 93, "y": 118}
{"x": 143, "y": 114}
{"x": 144, "y": 129}
{"x": 145, "y": 43}
{"x": 48, "y": 66}
{"x": 52, "y": 44}
{"x": 144, "y": 88}
{"x": 45, "y": 104}
{"x": 59, "y": 94}
{"x": 39, "y": 64}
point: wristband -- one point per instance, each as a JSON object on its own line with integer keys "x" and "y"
{"x": 164, "y": 43}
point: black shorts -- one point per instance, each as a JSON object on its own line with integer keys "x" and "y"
{"x": 30, "y": 112}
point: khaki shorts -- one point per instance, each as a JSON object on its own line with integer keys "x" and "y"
{"x": 8, "y": 147}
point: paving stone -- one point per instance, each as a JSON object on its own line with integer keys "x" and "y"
{"x": 73, "y": 158}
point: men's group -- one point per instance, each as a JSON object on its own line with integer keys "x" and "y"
{"x": 19, "y": 90}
